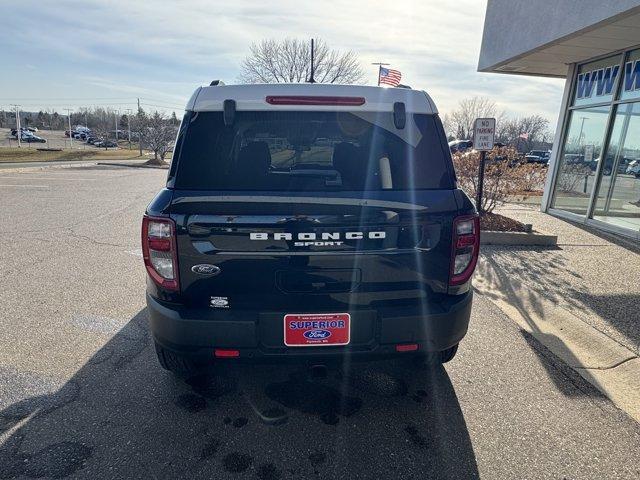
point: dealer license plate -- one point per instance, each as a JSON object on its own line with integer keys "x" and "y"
{"x": 316, "y": 329}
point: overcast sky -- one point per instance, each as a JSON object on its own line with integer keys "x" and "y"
{"x": 75, "y": 53}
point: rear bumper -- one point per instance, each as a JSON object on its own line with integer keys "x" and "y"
{"x": 259, "y": 335}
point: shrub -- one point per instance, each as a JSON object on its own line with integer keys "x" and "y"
{"x": 503, "y": 175}
{"x": 533, "y": 176}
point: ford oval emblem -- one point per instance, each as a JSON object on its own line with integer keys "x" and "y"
{"x": 317, "y": 334}
{"x": 206, "y": 269}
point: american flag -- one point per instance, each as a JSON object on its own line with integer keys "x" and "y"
{"x": 389, "y": 77}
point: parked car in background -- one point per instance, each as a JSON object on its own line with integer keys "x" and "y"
{"x": 23, "y": 130}
{"x": 537, "y": 156}
{"x": 31, "y": 138}
{"x": 459, "y": 146}
{"x": 633, "y": 168}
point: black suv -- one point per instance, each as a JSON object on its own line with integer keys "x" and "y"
{"x": 309, "y": 223}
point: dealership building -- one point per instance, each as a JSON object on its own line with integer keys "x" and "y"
{"x": 594, "y": 168}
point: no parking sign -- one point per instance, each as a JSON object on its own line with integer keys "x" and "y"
{"x": 484, "y": 132}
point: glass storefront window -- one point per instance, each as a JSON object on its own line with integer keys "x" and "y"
{"x": 618, "y": 199}
{"x": 630, "y": 88}
{"x": 604, "y": 111}
{"x": 579, "y": 159}
{"x": 596, "y": 81}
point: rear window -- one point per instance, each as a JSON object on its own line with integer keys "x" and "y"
{"x": 311, "y": 151}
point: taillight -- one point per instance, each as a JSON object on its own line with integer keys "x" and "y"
{"x": 159, "y": 251}
{"x": 465, "y": 247}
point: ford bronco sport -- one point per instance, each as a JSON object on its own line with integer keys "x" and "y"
{"x": 309, "y": 222}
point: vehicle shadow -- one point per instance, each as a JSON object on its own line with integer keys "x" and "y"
{"x": 620, "y": 311}
{"x": 121, "y": 416}
{"x": 532, "y": 285}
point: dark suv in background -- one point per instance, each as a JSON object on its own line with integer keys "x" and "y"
{"x": 308, "y": 223}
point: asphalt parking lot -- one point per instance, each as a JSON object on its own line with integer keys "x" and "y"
{"x": 82, "y": 395}
{"x": 54, "y": 138}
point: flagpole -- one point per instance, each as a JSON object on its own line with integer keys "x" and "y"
{"x": 380, "y": 64}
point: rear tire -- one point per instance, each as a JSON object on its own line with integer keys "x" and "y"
{"x": 177, "y": 364}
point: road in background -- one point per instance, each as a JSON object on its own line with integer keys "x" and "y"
{"x": 82, "y": 396}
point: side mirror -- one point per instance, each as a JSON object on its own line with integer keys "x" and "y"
{"x": 399, "y": 115}
{"x": 229, "y": 112}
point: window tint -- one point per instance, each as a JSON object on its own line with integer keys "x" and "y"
{"x": 312, "y": 151}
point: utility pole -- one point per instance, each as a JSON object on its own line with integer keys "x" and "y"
{"x": 70, "y": 131}
{"x": 129, "y": 126}
{"x": 139, "y": 127}
{"x": 380, "y": 64}
{"x": 18, "y": 132}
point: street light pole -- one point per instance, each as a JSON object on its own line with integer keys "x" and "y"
{"x": 139, "y": 128}
{"x": 581, "y": 128}
{"x": 129, "y": 126}
{"x": 18, "y": 132}
{"x": 70, "y": 132}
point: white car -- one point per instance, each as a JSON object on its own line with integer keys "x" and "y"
{"x": 634, "y": 168}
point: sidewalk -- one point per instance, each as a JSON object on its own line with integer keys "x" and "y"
{"x": 581, "y": 300}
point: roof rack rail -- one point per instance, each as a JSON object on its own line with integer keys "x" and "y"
{"x": 216, "y": 83}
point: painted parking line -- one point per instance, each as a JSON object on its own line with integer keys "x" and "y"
{"x": 24, "y": 186}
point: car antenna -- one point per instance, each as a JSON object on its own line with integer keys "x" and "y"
{"x": 311, "y": 79}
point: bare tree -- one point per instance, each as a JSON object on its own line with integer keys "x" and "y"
{"x": 534, "y": 127}
{"x": 289, "y": 61}
{"x": 102, "y": 125}
{"x": 157, "y": 134}
{"x": 460, "y": 121}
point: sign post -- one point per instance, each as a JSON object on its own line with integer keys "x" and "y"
{"x": 484, "y": 131}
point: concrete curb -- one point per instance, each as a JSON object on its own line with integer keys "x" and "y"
{"x": 134, "y": 165}
{"x": 517, "y": 238}
{"x": 607, "y": 365}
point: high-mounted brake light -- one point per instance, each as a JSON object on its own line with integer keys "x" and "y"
{"x": 159, "y": 251}
{"x": 314, "y": 100}
{"x": 465, "y": 247}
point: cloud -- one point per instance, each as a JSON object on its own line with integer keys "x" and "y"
{"x": 166, "y": 49}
